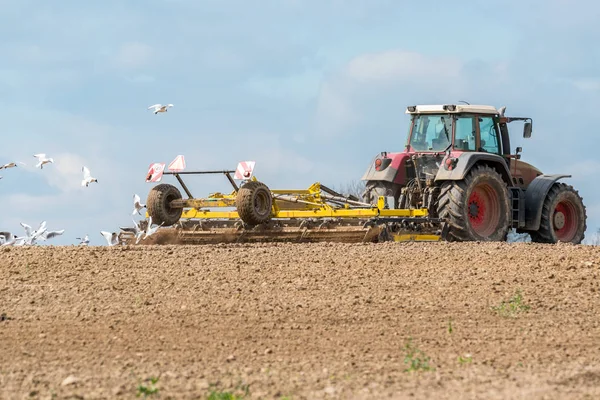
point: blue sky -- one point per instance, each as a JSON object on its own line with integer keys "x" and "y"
{"x": 311, "y": 90}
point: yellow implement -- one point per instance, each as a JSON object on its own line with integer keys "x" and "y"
{"x": 255, "y": 213}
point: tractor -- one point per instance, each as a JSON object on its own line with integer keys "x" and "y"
{"x": 458, "y": 164}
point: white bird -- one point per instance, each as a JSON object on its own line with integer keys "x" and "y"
{"x": 28, "y": 230}
{"x": 7, "y": 238}
{"x": 42, "y": 159}
{"x": 111, "y": 238}
{"x": 12, "y": 240}
{"x": 87, "y": 177}
{"x": 30, "y": 235}
{"x": 137, "y": 205}
{"x": 135, "y": 230}
{"x": 150, "y": 230}
{"x": 9, "y": 165}
{"x": 85, "y": 241}
{"x": 51, "y": 234}
{"x": 159, "y": 108}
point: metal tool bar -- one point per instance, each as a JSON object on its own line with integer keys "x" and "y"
{"x": 235, "y": 186}
{"x": 187, "y": 191}
{"x": 346, "y": 200}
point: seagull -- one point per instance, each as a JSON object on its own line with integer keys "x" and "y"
{"x": 159, "y": 108}
{"x": 30, "y": 235}
{"x": 7, "y": 238}
{"x": 87, "y": 178}
{"x": 85, "y": 241}
{"x": 111, "y": 238}
{"x": 150, "y": 230}
{"x": 12, "y": 239}
{"x": 137, "y": 205}
{"x": 135, "y": 230}
{"x": 51, "y": 234}
{"x": 9, "y": 165}
{"x": 42, "y": 159}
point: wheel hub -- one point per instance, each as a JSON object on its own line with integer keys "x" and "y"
{"x": 559, "y": 220}
{"x": 473, "y": 210}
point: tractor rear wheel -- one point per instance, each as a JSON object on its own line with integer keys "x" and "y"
{"x": 254, "y": 203}
{"x": 476, "y": 208}
{"x": 563, "y": 217}
{"x": 159, "y": 204}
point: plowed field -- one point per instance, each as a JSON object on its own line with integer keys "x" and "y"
{"x": 305, "y": 321}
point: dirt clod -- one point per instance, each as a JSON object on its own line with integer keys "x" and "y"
{"x": 302, "y": 321}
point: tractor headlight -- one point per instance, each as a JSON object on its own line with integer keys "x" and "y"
{"x": 382, "y": 163}
{"x": 450, "y": 163}
{"x": 450, "y": 107}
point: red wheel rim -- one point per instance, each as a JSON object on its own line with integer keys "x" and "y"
{"x": 484, "y": 210}
{"x": 565, "y": 221}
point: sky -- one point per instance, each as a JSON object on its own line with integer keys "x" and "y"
{"x": 311, "y": 90}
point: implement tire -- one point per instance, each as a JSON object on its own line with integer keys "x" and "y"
{"x": 476, "y": 208}
{"x": 159, "y": 204}
{"x": 563, "y": 217}
{"x": 254, "y": 203}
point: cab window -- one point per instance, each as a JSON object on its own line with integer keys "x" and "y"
{"x": 464, "y": 137}
{"x": 431, "y": 132}
{"x": 488, "y": 135}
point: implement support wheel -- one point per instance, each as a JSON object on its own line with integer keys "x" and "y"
{"x": 563, "y": 217}
{"x": 159, "y": 204}
{"x": 476, "y": 208}
{"x": 254, "y": 203}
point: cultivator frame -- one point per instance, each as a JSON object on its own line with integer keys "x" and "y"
{"x": 315, "y": 214}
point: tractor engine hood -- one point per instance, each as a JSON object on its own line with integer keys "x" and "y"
{"x": 399, "y": 168}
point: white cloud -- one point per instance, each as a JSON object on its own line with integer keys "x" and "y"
{"x": 584, "y": 169}
{"x": 300, "y": 87}
{"x": 141, "y": 79}
{"x": 335, "y": 111}
{"x": 587, "y": 85}
{"x": 345, "y": 97}
{"x": 133, "y": 55}
{"x": 65, "y": 173}
{"x": 401, "y": 66}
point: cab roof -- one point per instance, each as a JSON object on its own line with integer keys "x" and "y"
{"x": 452, "y": 109}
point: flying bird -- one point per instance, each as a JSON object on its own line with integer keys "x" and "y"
{"x": 150, "y": 230}
{"x": 137, "y": 205}
{"x": 87, "y": 177}
{"x": 7, "y": 238}
{"x": 135, "y": 230}
{"x": 30, "y": 235}
{"x": 85, "y": 241}
{"x": 42, "y": 159}
{"x": 111, "y": 238}
{"x": 11, "y": 239}
{"x": 159, "y": 108}
{"x": 9, "y": 165}
{"x": 51, "y": 234}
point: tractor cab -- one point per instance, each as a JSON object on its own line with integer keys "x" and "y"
{"x": 458, "y": 128}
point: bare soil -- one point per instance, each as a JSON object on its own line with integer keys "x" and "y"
{"x": 305, "y": 321}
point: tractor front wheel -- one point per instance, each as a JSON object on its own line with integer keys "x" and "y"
{"x": 476, "y": 208}
{"x": 254, "y": 203}
{"x": 563, "y": 217}
{"x": 159, "y": 204}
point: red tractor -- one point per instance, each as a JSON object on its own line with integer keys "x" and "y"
{"x": 458, "y": 164}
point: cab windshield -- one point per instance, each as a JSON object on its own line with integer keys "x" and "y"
{"x": 431, "y": 132}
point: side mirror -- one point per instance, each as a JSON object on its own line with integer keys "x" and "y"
{"x": 527, "y": 130}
